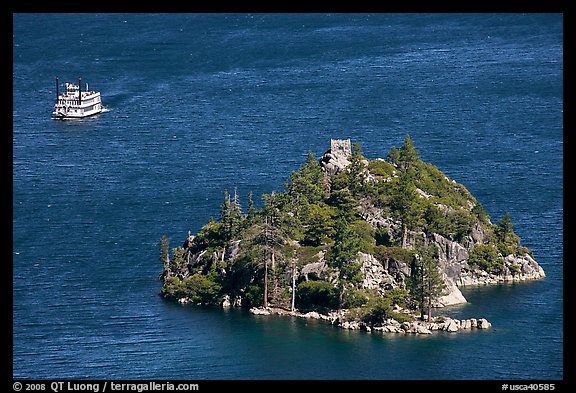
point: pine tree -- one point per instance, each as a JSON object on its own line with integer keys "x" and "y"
{"x": 393, "y": 156}
{"x": 504, "y": 227}
{"x": 252, "y": 211}
{"x": 508, "y": 241}
{"x": 319, "y": 224}
{"x": 164, "y": 251}
{"x": 408, "y": 156}
{"x": 343, "y": 254}
{"x": 406, "y": 202}
{"x": 294, "y": 272}
{"x": 357, "y": 171}
{"x": 268, "y": 237}
{"x": 230, "y": 215}
{"x": 307, "y": 183}
{"x": 426, "y": 284}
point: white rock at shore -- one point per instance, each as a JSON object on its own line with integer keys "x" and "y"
{"x": 259, "y": 311}
{"x": 388, "y": 326}
{"x": 453, "y": 296}
{"x": 451, "y": 325}
{"x": 484, "y": 324}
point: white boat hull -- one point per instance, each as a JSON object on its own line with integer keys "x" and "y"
{"x": 60, "y": 115}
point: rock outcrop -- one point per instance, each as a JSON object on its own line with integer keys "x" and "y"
{"x": 313, "y": 271}
{"x": 453, "y": 294}
{"x": 336, "y": 160}
{"x": 387, "y": 326}
{"x": 453, "y": 257}
{"x": 376, "y": 276}
{"x": 516, "y": 268}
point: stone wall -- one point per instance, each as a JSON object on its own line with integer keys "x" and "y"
{"x": 340, "y": 147}
{"x": 336, "y": 159}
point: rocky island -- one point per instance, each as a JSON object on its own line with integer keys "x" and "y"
{"x": 371, "y": 244}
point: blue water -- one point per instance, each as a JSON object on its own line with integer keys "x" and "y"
{"x": 199, "y": 103}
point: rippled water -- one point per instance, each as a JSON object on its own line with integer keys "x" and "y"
{"x": 199, "y": 103}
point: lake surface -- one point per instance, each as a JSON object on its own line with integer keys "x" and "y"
{"x": 203, "y": 102}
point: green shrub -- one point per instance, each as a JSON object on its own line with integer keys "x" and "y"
{"x": 210, "y": 235}
{"x": 173, "y": 288}
{"x": 506, "y": 248}
{"x": 382, "y": 237}
{"x": 398, "y": 296}
{"x": 202, "y": 289}
{"x": 395, "y": 252}
{"x": 454, "y": 224}
{"x": 376, "y": 310}
{"x": 521, "y": 250}
{"x": 478, "y": 211}
{"x": 339, "y": 181}
{"x": 485, "y": 257}
{"x": 461, "y": 221}
{"x": 401, "y": 317}
{"x": 381, "y": 168}
{"x": 373, "y": 312}
{"x": 319, "y": 224}
{"x": 510, "y": 244}
{"x": 344, "y": 201}
{"x": 308, "y": 254}
{"x": 433, "y": 181}
{"x": 178, "y": 260}
{"x": 515, "y": 269}
{"x": 366, "y": 234}
{"x": 381, "y": 195}
{"x": 254, "y": 296}
{"x": 355, "y": 298}
{"x": 313, "y": 295}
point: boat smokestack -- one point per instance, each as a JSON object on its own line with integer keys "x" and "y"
{"x": 57, "y": 92}
{"x": 79, "y": 91}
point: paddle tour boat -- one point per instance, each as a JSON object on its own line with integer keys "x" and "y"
{"x": 75, "y": 103}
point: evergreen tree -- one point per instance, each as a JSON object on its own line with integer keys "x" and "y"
{"x": 164, "y": 251}
{"x": 319, "y": 225}
{"x": 345, "y": 202}
{"x": 356, "y": 171}
{"x": 426, "y": 284}
{"x": 274, "y": 203}
{"x": 230, "y": 215}
{"x": 268, "y": 237}
{"x": 342, "y": 255}
{"x": 252, "y": 211}
{"x": 405, "y": 204}
{"x": 283, "y": 208}
{"x": 307, "y": 183}
{"x": 508, "y": 241}
{"x": 504, "y": 228}
{"x": 408, "y": 156}
{"x": 393, "y": 156}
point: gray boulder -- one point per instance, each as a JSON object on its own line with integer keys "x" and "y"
{"x": 484, "y": 324}
{"x": 312, "y": 271}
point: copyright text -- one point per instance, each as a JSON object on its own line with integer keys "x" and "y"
{"x": 103, "y": 386}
